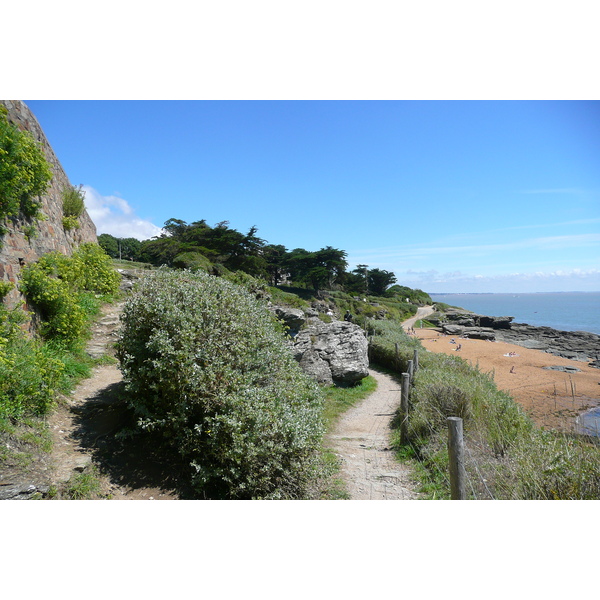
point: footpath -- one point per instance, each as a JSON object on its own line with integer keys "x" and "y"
{"x": 361, "y": 441}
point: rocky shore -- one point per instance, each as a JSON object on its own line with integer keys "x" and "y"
{"x": 582, "y": 346}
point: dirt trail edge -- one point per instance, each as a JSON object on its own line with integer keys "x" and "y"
{"x": 83, "y": 428}
{"x": 361, "y": 440}
{"x": 422, "y": 313}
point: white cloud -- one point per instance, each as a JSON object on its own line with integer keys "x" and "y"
{"x": 114, "y": 216}
{"x": 573, "y": 280}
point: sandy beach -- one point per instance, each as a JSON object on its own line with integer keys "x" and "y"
{"x": 552, "y": 398}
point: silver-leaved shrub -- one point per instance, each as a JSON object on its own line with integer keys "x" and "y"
{"x": 206, "y": 365}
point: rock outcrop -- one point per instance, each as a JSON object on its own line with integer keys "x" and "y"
{"x": 331, "y": 353}
{"x": 17, "y": 249}
{"x": 574, "y": 345}
{"x": 335, "y": 352}
{"x": 293, "y": 318}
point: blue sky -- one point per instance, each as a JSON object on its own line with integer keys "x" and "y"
{"x": 452, "y": 196}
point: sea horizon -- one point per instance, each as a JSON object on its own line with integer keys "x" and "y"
{"x": 564, "y": 311}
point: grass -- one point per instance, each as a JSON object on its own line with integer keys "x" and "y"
{"x": 329, "y": 485}
{"x": 83, "y": 486}
{"x": 21, "y": 442}
{"x": 340, "y": 399}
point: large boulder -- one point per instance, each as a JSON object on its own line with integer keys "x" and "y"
{"x": 334, "y": 352}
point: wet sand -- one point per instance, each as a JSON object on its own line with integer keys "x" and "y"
{"x": 552, "y": 398}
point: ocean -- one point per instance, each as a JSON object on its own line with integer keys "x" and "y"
{"x": 566, "y": 311}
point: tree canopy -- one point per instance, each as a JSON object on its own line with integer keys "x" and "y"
{"x": 198, "y": 246}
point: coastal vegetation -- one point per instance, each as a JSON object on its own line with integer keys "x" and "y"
{"x": 508, "y": 456}
{"x": 73, "y": 207}
{"x": 219, "y": 249}
{"x": 210, "y": 380}
{"x": 24, "y": 174}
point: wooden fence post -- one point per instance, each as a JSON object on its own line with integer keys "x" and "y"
{"x": 411, "y": 369}
{"x": 456, "y": 458}
{"x": 416, "y": 360}
{"x": 396, "y": 349}
{"x": 404, "y": 408}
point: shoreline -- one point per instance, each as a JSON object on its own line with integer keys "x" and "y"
{"x": 581, "y": 346}
{"x": 552, "y": 398}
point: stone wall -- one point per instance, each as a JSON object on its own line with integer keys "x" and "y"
{"x": 18, "y": 251}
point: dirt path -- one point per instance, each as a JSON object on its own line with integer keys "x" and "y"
{"x": 361, "y": 440}
{"x": 83, "y": 429}
{"x": 422, "y": 313}
{"x": 83, "y": 434}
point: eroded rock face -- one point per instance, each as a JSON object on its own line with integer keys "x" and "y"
{"x": 17, "y": 249}
{"x": 334, "y": 352}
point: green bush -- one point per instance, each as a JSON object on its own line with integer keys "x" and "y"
{"x": 206, "y": 366}
{"x": 73, "y": 202}
{"x": 28, "y": 375}
{"x": 70, "y": 223}
{"x": 59, "y": 287}
{"x": 93, "y": 271}
{"x": 24, "y": 171}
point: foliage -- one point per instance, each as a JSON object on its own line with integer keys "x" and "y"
{"x": 366, "y": 310}
{"x": 192, "y": 261}
{"x": 120, "y": 248}
{"x": 28, "y": 375}
{"x": 379, "y": 281}
{"x": 414, "y": 296}
{"x": 320, "y": 269}
{"x": 93, "y": 270}
{"x": 5, "y": 287}
{"x": 206, "y": 367}
{"x": 57, "y": 284}
{"x": 24, "y": 172}
{"x": 73, "y": 201}
{"x": 70, "y": 223}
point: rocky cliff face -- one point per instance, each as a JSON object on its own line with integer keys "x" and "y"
{"x": 18, "y": 249}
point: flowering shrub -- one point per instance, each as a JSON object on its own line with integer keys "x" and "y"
{"x": 56, "y": 284}
{"x": 206, "y": 365}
